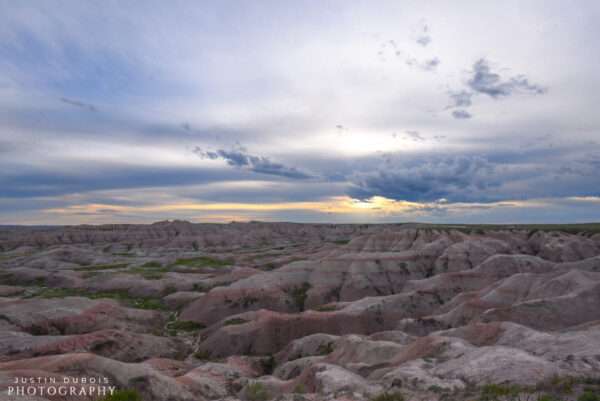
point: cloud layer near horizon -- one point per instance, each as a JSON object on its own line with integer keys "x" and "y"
{"x": 299, "y": 111}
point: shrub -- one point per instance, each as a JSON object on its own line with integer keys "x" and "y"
{"x": 299, "y": 389}
{"x": 202, "y": 355}
{"x": 435, "y": 388}
{"x": 326, "y": 308}
{"x": 491, "y": 392}
{"x": 268, "y": 364}
{"x": 123, "y": 395}
{"x": 325, "y": 349}
{"x": 395, "y": 396}
{"x": 185, "y": 325}
{"x": 589, "y": 396}
{"x": 299, "y": 295}
{"x": 234, "y": 321}
{"x": 548, "y": 397}
{"x": 257, "y": 392}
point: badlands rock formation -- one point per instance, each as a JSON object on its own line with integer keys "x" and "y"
{"x": 256, "y": 311}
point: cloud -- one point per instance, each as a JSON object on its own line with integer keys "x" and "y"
{"x": 461, "y": 114}
{"x": 453, "y": 178}
{"x": 415, "y": 135}
{"x": 258, "y": 164}
{"x": 489, "y": 83}
{"x": 484, "y": 81}
{"x": 423, "y": 37}
{"x": 460, "y": 98}
{"x": 205, "y": 154}
{"x": 79, "y": 104}
{"x": 426, "y": 65}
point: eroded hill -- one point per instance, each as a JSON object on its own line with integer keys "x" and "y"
{"x": 181, "y": 311}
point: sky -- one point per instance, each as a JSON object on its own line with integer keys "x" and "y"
{"x": 306, "y": 111}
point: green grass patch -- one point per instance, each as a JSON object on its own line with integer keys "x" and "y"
{"x": 326, "y": 308}
{"x": 325, "y": 349}
{"x": 493, "y": 392}
{"x": 152, "y": 264}
{"x": 299, "y": 389}
{"x": 185, "y": 325}
{"x": 589, "y": 396}
{"x": 149, "y": 273}
{"x": 202, "y": 355}
{"x": 202, "y": 261}
{"x": 102, "y": 267}
{"x": 388, "y": 397}
{"x": 299, "y": 295}
{"x": 118, "y": 295}
{"x": 580, "y": 228}
{"x": 257, "y": 392}
{"x": 235, "y": 321}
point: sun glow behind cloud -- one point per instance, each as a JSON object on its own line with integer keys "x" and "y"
{"x": 362, "y": 209}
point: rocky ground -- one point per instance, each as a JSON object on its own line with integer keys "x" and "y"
{"x": 175, "y": 311}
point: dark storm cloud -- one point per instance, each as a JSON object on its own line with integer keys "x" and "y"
{"x": 34, "y": 182}
{"x": 487, "y": 82}
{"x": 453, "y": 178}
{"x": 499, "y": 175}
{"x": 258, "y": 164}
{"x": 461, "y": 114}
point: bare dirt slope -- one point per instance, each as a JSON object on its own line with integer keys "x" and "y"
{"x": 254, "y": 311}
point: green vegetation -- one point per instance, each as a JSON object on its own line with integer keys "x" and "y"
{"x": 555, "y": 389}
{"x": 123, "y": 395}
{"x": 547, "y": 397}
{"x": 150, "y": 270}
{"x": 245, "y": 301}
{"x": 118, "y": 295}
{"x": 110, "y": 266}
{"x": 169, "y": 289}
{"x": 152, "y": 264}
{"x": 582, "y": 228}
{"x": 11, "y": 279}
{"x": 589, "y": 396}
{"x": 185, "y": 325}
{"x": 434, "y": 388}
{"x": 396, "y": 396}
{"x": 299, "y": 295}
{"x": 299, "y": 389}
{"x": 325, "y": 349}
{"x": 326, "y": 308}
{"x": 234, "y": 321}
{"x": 257, "y": 392}
{"x": 341, "y": 241}
{"x": 202, "y": 355}
{"x": 493, "y": 392}
{"x": 202, "y": 261}
{"x": 558, "y": 384}
{"x": 149, "y": 273}
{"x": 268, "y": 364}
